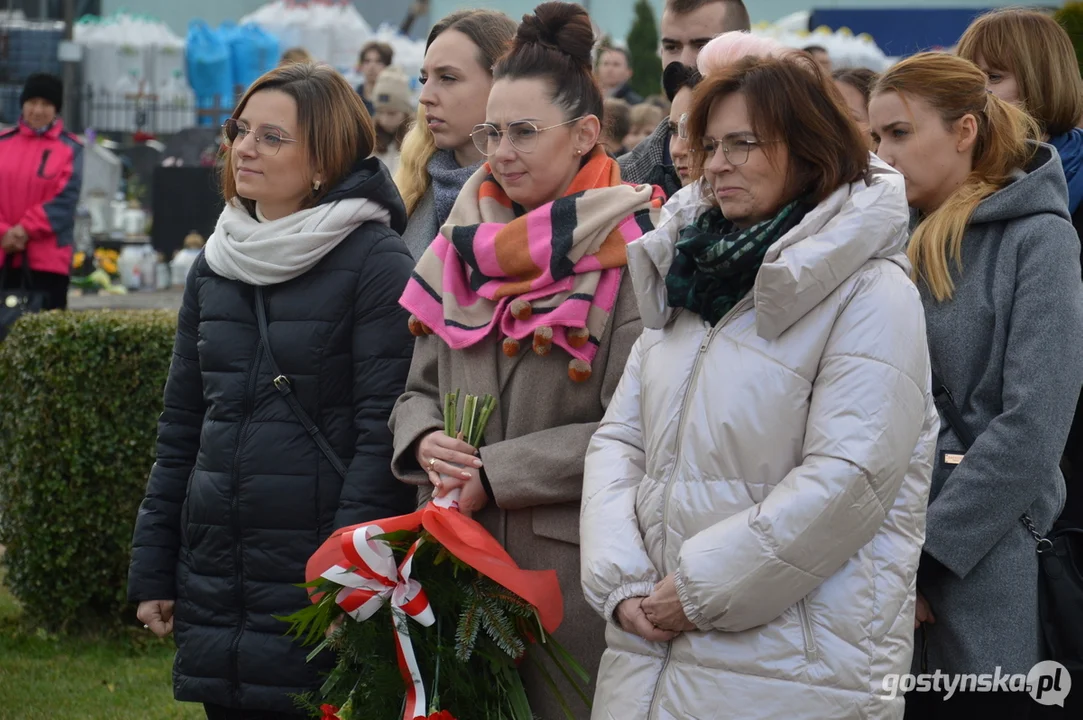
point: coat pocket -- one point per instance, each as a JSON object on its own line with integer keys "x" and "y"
{"x": 557, "y": 522}
{"x": 812, "y": 653}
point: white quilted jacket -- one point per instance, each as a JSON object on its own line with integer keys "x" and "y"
{"x": 779, "y": 465}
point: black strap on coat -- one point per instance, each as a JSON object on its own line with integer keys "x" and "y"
{"x": 285, "y": 389}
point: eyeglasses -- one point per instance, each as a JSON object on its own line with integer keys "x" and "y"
{"x": 736, "y": 150}
{"x": 268, "y": 141}
{"x": 522, "y": 134}
{"x": 682, "y": 127}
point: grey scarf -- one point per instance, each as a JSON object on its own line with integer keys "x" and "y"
{"x": 447, "y": 180}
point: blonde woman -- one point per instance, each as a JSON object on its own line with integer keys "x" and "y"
{"x": 997, "y": 263}
{"x": 438, "y": 156}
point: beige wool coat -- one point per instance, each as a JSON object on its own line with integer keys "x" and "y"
{"x": 533, "y": 451}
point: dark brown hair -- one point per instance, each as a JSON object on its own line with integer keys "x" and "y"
{"x": 618, "y": 118}
{"x": 334, "y": 127}
{"x": 860, "y": 79}
{"x": 555, "y": 44}
{"x": 387, "y": 53}
{"x": 790, "y": 102}
{"x": 736, "y": 13}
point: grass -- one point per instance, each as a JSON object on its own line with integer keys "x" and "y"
{"x": 43, "y": 677}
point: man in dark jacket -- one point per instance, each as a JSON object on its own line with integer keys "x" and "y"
{"x": 687, "y": 25}
{"x": 41, "y": 175}
{"x": 241, "y": 495}
{"x": 615, "y": 73}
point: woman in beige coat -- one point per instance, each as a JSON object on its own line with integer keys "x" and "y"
{"x": 523, "y": 296}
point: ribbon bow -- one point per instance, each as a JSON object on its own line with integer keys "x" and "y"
{"x": 373, "y": 580}
{"x": 364, "y": 565}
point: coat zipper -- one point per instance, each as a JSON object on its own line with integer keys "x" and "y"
{"x": 812, "y": 654}
{"x": 235, "y": 515}
{"x": 696, "y": 365}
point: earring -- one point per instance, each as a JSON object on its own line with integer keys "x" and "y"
{"x": 578, "y": 152}
{"x": 316, "y": 186}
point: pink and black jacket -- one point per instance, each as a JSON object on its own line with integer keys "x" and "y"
{"x": 41, "y": 174}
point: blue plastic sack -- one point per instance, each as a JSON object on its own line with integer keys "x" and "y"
{"x": 252, "y": 51}
{"x": 210, "y": 70}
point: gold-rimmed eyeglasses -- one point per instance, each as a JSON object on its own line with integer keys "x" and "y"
{"x": 268, "y": 140}
{"x": 522, "y": 134}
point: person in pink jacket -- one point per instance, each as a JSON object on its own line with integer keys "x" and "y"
{"x": 41, "y": 173}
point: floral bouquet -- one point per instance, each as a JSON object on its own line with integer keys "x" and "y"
{"x": 438, "y": 615}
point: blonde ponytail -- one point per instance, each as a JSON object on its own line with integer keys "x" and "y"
{"x": 956, "y": 87}
{"x": 412, "y": 177}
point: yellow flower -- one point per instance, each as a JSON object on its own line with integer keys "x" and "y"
{"x": 77, "y": 260}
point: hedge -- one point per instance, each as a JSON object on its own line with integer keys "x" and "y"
{"x": 80, "y": 395}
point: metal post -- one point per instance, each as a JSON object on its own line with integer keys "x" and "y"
{"x": 68, "y": 75}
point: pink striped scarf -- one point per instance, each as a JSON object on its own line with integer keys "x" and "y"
{"x": 552, "y": 274}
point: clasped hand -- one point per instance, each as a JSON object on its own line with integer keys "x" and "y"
{"x": 15, "y": 239}
{"x": 452, "y": 464}
{"x": 658, "y": 618}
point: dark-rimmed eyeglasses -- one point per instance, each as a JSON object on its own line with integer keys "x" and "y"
{"x": 736, "y": 150}
{"x": 268, "y": 140}
{"x": 522, "y": 134}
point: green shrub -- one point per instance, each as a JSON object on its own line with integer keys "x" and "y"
{"x": 643, "y": 42}
{"x": 80, "y": 394}
{"x": 1071, "y": 19}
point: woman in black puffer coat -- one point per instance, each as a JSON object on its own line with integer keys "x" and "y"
{"x": 241, "y": 495}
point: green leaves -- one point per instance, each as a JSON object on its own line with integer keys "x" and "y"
{"x": 80, "y": 396}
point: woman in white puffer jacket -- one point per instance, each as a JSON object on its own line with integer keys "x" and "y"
{"x": 754, "y": 500}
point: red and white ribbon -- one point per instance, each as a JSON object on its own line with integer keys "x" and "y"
{"x": 374, "y": 580}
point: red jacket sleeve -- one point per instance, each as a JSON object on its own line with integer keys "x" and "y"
{"x": 55, "y": 218}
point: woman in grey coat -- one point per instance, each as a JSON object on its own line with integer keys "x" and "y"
{"x": 997, "y": 262}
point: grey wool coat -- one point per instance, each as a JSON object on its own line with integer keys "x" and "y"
{"x": 1007, "y": 346}
{"x": 534, "y": 450}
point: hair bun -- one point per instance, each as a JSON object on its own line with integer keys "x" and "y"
{"x": 561, "y": 26}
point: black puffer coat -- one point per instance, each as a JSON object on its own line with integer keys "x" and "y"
{"x": 240, "y": 495}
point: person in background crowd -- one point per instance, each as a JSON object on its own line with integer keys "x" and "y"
{"x": 754, "y": 498}
{"x": 680, "y": 82}
{"x": 855, "y": 84}
{"x": 41, "y": 176}
{"x": 555, "y": 220}
{"x": 392, "y": 99}
{"x": 438, "y": 155}
{"x": 642, "y": 120}
{"x": 374, "y": 58}
{"x": 240, "y": 495}
{"x": 618, "y": 123}
{"x": 658, "y": 101}
{"x": 295, "y": 55}
{"x": 614, "y": 74}
{"x": 687, "y": 26}
{"x": 821, "y": 56}
{"x": 1029, "y": 60}
{"x": 997, "y": 263}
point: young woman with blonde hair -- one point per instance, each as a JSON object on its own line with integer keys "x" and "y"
{"x": 997, "y": 262}
{"x": 438, "y": 156}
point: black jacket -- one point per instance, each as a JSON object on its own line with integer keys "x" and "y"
{"x": 240, "y": 495}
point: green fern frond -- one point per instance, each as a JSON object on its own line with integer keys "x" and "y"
{"x": 500, "y": 628}
{"x": 466, "y": 633}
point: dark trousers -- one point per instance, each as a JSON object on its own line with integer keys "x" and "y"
{"x": 55, "y": 284}
{"x": 220, "y": 712}
{"x": 987, "y": 706}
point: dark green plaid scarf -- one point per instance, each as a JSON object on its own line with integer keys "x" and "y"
{"x": 716, "y": 263}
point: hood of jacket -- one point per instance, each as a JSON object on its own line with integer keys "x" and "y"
{"x": 858, "y": 222}
{"x": 1040, "y": 187}
{"x": 369, "y": 179}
